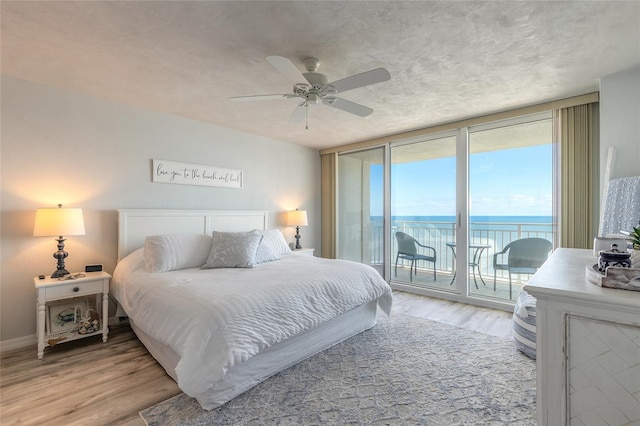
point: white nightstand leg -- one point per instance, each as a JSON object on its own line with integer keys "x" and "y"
{"x": 41, "y": 313}
{"x": 105, "y": 317}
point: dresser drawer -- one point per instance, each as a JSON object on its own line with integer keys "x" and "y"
{"x": 67, "y": 290}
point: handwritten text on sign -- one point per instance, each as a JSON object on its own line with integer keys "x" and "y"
{"x": 195, "y": 174}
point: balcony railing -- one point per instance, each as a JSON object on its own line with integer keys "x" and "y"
{"x": 438, "y": 234}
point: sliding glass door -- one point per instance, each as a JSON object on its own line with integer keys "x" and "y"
{"x": 511, "y": 224}
{"x": 468, "y": 214}
{"x": 360, "y": 214}
{"x": 423, "y": 212}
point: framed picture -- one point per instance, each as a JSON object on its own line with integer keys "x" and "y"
{"x": 63, "y": 316}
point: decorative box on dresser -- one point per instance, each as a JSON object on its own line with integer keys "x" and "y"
{"x": 51, "y": 290}
{"x": 588, "y": 345}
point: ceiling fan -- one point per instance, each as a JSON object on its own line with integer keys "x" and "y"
{"x": 313, "y": 87}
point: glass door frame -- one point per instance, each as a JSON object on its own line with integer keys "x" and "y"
{"x": 462, "y": 213}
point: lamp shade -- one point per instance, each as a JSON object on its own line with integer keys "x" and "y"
{"x": 297, "y": 218}
{"x": 51, "y": 222}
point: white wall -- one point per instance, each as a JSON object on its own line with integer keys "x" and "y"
{"x": 63, "y": 147}
{"x": 620, "y": 123}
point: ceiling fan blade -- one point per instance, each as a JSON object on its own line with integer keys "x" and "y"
{"x": 285, "y": 67}
{"x": 366, "y": 78}
{"x": 299, "y": 113}
{"x": 260, "y": 97}
{"x": 348, "y": 106}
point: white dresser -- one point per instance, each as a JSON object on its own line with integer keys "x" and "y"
{"x": 588, "y": 345}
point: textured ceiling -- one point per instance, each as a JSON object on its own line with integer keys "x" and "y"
{"x": 448, "y": 59}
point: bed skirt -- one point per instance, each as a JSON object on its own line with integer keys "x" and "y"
{"x": 281, "y": 356}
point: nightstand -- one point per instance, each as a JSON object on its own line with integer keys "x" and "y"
{"x": 60, "y": 301}
{"x": 304, "y": 251}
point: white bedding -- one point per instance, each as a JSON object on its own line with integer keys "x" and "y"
{"x": 215, "y": 319}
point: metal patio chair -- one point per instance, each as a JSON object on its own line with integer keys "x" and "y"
{"x": 524, "y": 256}
{"x": 408, "y": 250}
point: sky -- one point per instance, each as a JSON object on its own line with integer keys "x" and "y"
{"x": 511, "y": 182}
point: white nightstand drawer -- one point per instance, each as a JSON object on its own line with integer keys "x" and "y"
{"x": 71, "y": 289}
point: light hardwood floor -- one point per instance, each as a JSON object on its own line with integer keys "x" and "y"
{"x": 88, "y": 382}
{"x": 484, "y": 320}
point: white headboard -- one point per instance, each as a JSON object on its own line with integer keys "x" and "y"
{"x": 136, "y": 224}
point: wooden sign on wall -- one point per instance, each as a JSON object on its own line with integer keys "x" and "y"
{"x": 195, "y": 174}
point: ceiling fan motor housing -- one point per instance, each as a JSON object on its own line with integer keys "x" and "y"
{"x": 311, "y": 64}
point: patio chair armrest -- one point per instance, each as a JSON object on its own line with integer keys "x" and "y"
{"x": 433, "y": 250}
{"x": 495, "y": 256}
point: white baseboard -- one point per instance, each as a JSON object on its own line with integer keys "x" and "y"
{"x": 19, "y": 343}
{"x": 23, "y": 342}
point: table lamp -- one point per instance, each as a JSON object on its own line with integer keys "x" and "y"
{"x": 51, "y": 222}
{"x": 297, "y": 218}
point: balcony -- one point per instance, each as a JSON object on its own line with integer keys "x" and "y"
{"x": 438, "y": 233}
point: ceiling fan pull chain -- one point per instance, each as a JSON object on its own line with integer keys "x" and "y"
{"x": 306, "y": 117}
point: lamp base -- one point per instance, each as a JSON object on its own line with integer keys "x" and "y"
{"x": 61, "y": 255}
{"x": 59, "y": 273}
{"x": 298, "y": 246}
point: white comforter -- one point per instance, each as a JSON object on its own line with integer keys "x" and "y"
{"x": 217, "y": 318}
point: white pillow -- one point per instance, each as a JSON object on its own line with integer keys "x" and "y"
{"x": 274, "y": 239}
{"x": 265, "y": 254}
{"x": 163, "y": 253}
{"x": 233, "y": 250}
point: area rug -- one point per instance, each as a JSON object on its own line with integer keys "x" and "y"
{"x": 404, "y": 371}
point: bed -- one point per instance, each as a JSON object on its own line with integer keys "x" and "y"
{"x": 219, "y": 330}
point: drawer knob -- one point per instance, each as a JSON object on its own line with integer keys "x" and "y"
{"x": 76, "y": 289}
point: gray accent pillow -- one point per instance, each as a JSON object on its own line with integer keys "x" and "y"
{"x": 233, "y": 250}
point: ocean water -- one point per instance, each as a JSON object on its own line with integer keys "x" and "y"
{"x": 472, "y": 219}
{"x": 530, "y": 223}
